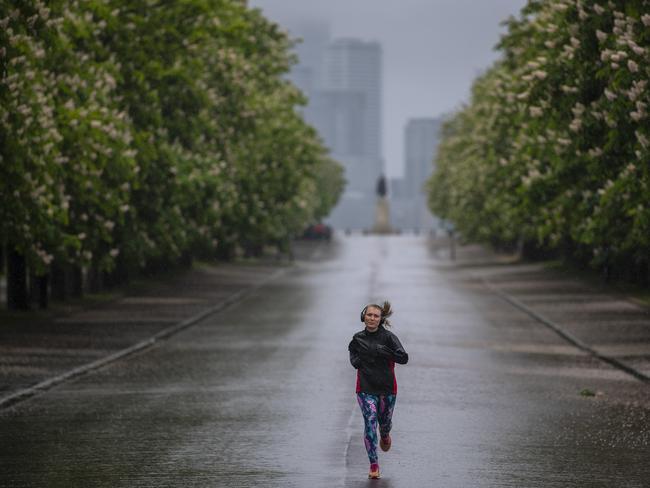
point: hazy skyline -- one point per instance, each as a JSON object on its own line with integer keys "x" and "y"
{"x": 432, "y": 51}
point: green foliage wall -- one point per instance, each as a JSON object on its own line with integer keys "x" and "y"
{"x": 554, "y": 145}
{"x": 137, "y": 132}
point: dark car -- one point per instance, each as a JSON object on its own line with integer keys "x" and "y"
{"x": 318, "y": 231}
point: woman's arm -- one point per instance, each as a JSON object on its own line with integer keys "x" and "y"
{"x": 394, "y": 350}
{"x": 355, "y": 358}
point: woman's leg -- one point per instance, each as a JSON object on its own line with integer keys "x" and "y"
{"x": 369, "y": 404}
{"x": 385, "y": 414}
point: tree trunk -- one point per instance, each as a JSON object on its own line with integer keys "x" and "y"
{"x": 17, "y": 296}
{"x": 76, "y": 281}
{"x": 186, "y": 259}
{"x": 59, "y": 288}
{"x": 38, "y": 290}
{"x": 95, "y": 279}
{"x": 118, "y": 276}
{"x": 42, "y": 291}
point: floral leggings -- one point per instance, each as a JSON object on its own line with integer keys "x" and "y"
{"x": 376, "y": 409}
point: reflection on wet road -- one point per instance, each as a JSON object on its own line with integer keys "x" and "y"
{"x": 262, "y": 394}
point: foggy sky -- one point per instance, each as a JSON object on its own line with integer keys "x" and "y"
{"x": 432, "y": 50}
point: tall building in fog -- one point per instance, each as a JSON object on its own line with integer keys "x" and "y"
{"x": 342, "y": 79}
{"x": 349, "y": 118}
{"x": 353, "y": 67}
{"x": 314, "y": 36}
{"x": 409, "y": 200}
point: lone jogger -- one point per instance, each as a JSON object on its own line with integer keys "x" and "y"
{"x": 374, "y": 352}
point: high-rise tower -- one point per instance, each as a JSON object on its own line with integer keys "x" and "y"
{"x": 349, "y": 118}
{"x": 314, "y": 36}
{"x": 410, "y": 210}
{"x": 352, "y": 66}
{"x": 342, "y": 80}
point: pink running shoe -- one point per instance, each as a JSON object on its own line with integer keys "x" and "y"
{"x": 374, "y": 472}
{"x": 385, "y": 443}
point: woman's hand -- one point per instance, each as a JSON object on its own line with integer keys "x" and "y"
{"x": 384, "y": 351}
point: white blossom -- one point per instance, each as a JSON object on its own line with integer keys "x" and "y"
{"x": 639, "y": 113}
{"x": 44, "y": 257}
{"x": 618, "y": 56}
{"x": 578, "y": 109}
{"x": 575, "y": 125}
{"x": 638, "y": 86}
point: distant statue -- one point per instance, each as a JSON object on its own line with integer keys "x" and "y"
{"x": 381, "y": 186}
{"x": 382, "y": 214}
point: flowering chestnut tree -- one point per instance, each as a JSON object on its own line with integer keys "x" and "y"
{"x": 67, "y": 160}
{"x": 553, "y": 147}
{"x": 136, "y": 133}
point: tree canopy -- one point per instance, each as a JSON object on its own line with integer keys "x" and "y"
{"x": 137, "y": 132}
{"x": 553, "y": 147}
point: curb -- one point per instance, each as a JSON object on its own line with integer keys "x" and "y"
{"x": 26, "y": 393}
{"x": 566, "y": 335}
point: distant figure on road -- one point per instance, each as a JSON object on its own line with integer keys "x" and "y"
{"x": 373, "y": 353}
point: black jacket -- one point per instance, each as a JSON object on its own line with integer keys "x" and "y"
{"x": 373, "y": 355}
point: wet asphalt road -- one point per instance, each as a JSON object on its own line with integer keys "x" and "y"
{"x": 262, "y": 394}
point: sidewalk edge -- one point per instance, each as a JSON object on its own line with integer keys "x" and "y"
{"x": 566, "y": 335}
{"x": 21, "y": 395}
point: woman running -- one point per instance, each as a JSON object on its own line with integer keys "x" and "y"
{"x": 373, "y": 353}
